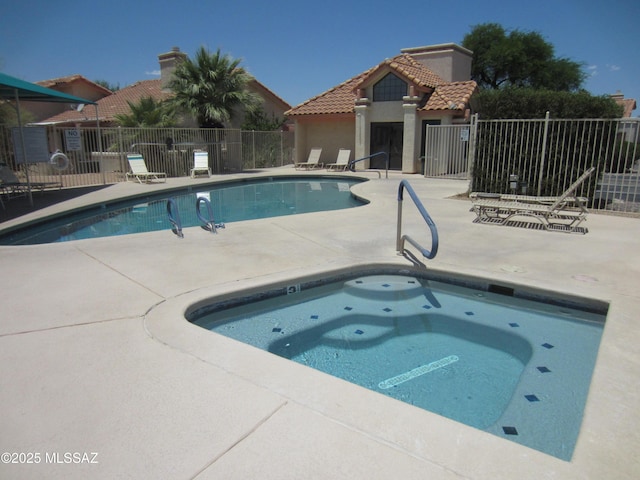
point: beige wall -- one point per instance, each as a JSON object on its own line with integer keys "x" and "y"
{"x": 330, "y": 135}
{"x": 449, "y": 61}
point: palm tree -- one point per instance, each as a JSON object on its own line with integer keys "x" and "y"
{"x": 147, "y": 113}
{"x": 212, "y": 87}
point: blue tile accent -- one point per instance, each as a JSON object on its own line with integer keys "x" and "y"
{"x": 348, "y": 308}
{"x": 386, "y": 309}
{"x": 469, "y": 313}
{"x": 314, "y": 317}
{"x": 358, "y": 332}
{"x": 427, "y": 307}
{"x": 276, "y": 329}
{"x": 532, "y": 398}
{"x": 510, "y": 430}
{"x": 386, "y": 285}
{"x": 547, "y": 345}
{"x": 514, "y": 325}
{"x": 544, "y": 369}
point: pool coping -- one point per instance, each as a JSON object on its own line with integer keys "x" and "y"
{"x": 168, "y": 323}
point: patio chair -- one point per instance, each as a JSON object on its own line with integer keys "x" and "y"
{"x": 563, "y": 213}
{"x": 139, "y": 170}
{"x": 200, "y": 163}
{"x": 341, "y": 162}
{"x": 11, "y": 186}
{"x": 312, "y": 162}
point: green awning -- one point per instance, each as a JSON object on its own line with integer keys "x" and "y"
{"x": 11, "y": 86}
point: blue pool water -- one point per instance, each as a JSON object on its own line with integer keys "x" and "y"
{"x": 231, "y": 202}
{"x": 512, "y": 366}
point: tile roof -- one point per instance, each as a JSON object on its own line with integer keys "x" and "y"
{"x": 628, "y": 105}
{"x": 57, "y": 83}
{"x": 451, "y": 96}
{"x": 339, "y": 99}
{"x": 441, "y": 95}
{"x": 405, "y": 65}
{"x": 116, "y": 103}
{"x": 113, "y": 104}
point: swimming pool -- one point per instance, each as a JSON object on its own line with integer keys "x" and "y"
{"x": 509, "y": 361}
{"x": 247, "y": 199}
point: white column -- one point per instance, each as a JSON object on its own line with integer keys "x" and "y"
{"x": 363, "y": 132}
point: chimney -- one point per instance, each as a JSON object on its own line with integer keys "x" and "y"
{"x": 449, "y": 61}
{"x": 168, "y": 63}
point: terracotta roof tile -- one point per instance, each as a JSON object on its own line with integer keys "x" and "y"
{"x": 61, "y": 82}
{"x": 341, "y": 99}
{"x": 114, "y": 104}
{"x": 412, "y": 70}
{"x": 450, "y": 96}
{"x": 628, "y": 105}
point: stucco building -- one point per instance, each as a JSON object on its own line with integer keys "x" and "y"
{"x": 387, "y": 108}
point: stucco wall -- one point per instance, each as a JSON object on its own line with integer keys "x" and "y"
{"x": 330, "y": 135}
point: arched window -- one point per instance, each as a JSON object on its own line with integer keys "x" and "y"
{"x": 390, "y": 88}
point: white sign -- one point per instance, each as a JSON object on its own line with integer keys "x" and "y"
{"x": 73, "y": 139}
{"x": 464, "y": 135}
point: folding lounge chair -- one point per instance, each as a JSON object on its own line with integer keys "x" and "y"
{"x": 139, "y": 170}
{"x": 563, "y": 213}
{"x": 341, "y": 162}
{"x": 200, "y": 163}
{"x": 11, "y": 186}
{"x": 312, "y": 162}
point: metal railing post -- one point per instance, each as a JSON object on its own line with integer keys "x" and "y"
{"x": 400, "y": 239}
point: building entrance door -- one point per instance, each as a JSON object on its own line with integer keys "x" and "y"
{"x": 387, "y": 137}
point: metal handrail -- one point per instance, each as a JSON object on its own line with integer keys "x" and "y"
{"x": 400, "y": 239}
{"x": 174, "y": 217}
{"x": 209, "y": 223}
{"x": 351, "y": 167}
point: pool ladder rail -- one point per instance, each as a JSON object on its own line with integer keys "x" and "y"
{"x": 208, "y": 222}
{"x": 400, "y": 239}
{"x": 174, "y": 217}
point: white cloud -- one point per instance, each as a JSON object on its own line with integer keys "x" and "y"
{"x": 592, "y": 70}
{"x": 153, "y": 73}
{"x": 613, "y": 68}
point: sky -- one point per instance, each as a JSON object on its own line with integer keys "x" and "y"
{"x": 300, "y": 48}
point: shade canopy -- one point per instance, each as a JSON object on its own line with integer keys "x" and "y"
{"x": 10, "y": 87}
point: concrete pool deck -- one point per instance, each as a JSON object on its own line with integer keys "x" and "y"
{"x": 96, "y": 357}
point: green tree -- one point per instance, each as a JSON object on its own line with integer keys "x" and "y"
{"x": 148, "y": 113}
{"x": 523, "y": 103}
{"x": 114, "y": 87}
{"x": 258, "y": 120}
{"x": 521, "y": 59}
{"x": 9, "y": 114}
{"x": 212, "y": 87}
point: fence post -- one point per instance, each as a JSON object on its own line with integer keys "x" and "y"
{"x": 253, "y": 147}
{"x": 544, "y": 153}
{"x": 473, "y": 130}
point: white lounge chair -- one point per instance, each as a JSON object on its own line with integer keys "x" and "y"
{"x": 312, "y": 162}
{"x": 341, "y": 162}
{"x": 562, "y": 213}
{"x": 140, "y": 172}
{"x": 200, "y": 163}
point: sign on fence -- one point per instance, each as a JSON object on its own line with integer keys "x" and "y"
{"x": 73, "y": 140}
{"x": 35, "y": 144}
